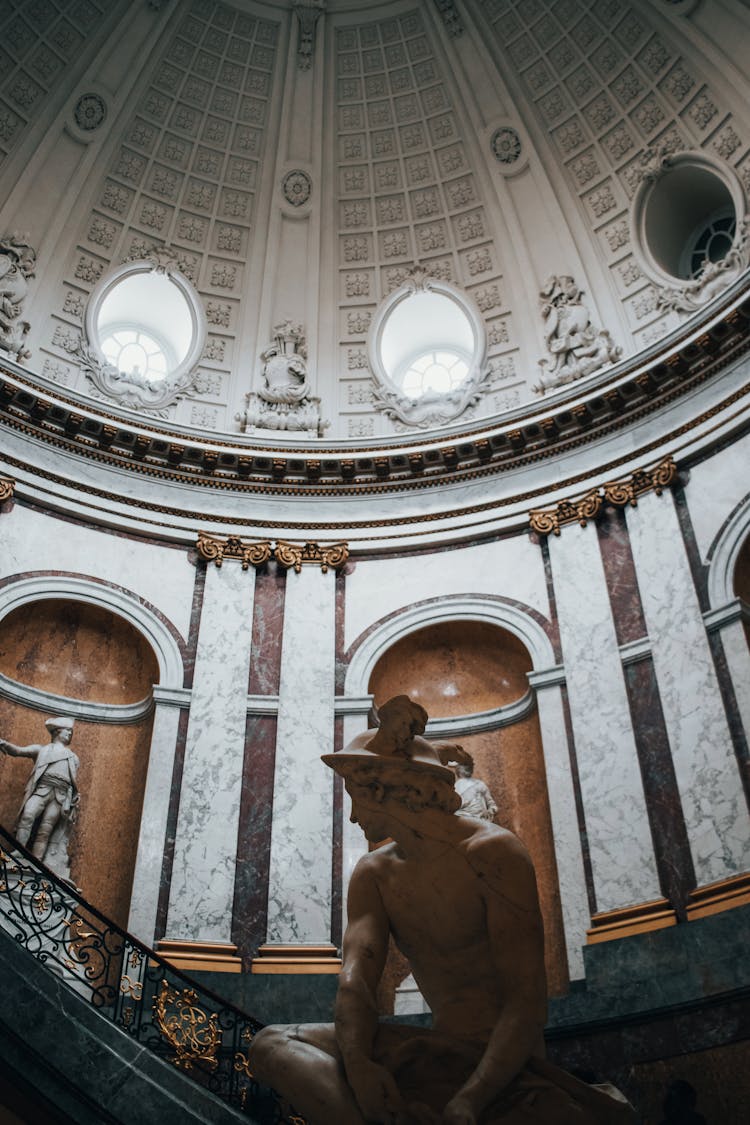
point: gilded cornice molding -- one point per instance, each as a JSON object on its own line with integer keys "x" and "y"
{"x": 618, "y": 493}
{"x": 7, "y": 488}
{"x": 211, "y": 548}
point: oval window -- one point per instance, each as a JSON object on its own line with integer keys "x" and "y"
{"x": 427, "y": 345}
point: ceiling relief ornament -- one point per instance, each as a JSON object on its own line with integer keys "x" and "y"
{"x": 433, "y": 408}
{"x": 284, "y": 402}
{"x": 297, "y": 187}
{"x": 89, "y": 112}
{"x": 17, "y": 266}
{"x": 546, "y": 521}
{"x": 450, "y": 17}
{"x": 134, "y": 389}
{"x": 308, "y": 12}
{"x": 576, "y": 347}
{"x": 506, "y": 145}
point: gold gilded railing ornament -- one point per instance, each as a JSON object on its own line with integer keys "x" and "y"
{"x": 623, "y": 492}
{"x": 332, "y": 557}
{"x": 215, "y": 550}
{"x": 242, "y": 1061}
{"x": 194, "y": 1036}
{"x": 7, "y": 488}
{"x": 546, "y": 520}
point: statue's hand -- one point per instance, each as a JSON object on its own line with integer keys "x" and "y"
{"x": 376, "y": 1092}
{"x": 459, "y": 1111}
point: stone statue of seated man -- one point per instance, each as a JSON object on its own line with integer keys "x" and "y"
{"x": 459, "y": 897}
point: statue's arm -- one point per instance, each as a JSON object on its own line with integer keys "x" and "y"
{"x": 356, "y": 1017}
{"x": 18, "y": 751}
{"x": 516, "y": 936}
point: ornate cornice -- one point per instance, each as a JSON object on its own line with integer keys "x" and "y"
{"x": 7, "y": 488}
{"x": 544, "y": 431}
{"x": 211, "y": 548}
{"x": 616, "y": 492}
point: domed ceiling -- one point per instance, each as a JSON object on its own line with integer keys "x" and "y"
{"x": 570, "y": 174}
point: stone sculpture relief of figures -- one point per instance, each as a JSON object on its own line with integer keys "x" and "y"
{"x": 17, "y": 265}
{"x": 284, "y": 401}
{"x": 476, "y": 799}
{"x": 576, "y": 347}
{"x": 50, "y": 801}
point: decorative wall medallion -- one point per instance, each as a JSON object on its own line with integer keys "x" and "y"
{"x": 215, "y": 550}
{"x": 506, "y": 145}
{"x": 576, "y": 347}
{"x": 284, "y": 401}
{"x": 307, "y": 15}
{"x": 297, "y": 187}
{"x": 617, "y": 493}
{"x": 90, "y": 112}
{"x": 17, "y": 265}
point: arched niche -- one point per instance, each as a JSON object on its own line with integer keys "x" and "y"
{"x": 463, "y": 667}
{"x": 71, "y": 657}
{"x": 742, "y": 580}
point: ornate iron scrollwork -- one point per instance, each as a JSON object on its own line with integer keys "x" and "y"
{"x": 194, "y": 1036}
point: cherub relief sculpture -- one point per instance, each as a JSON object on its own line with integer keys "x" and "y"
{"x": 17, "y": 265}
{"x": 576, "y": 347}
{"x": 50, "y": 801}
{"x": 458, "y": 896}
{"x": 284, "y": 401}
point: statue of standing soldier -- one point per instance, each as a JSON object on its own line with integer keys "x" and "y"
{"x": 50, "y": 801}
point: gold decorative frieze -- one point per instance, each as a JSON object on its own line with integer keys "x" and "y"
{"x": 546, "y": 520}
{"x": 615, "y": 492}
{"x": 7, "y": 488}
{"x": 193, "y": 1035}
{"x": 294, "y": 555}
{"x": 622, "y": 492}
{"x": 213, "y": 549}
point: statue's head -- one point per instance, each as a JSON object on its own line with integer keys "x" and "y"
{"x": 464, "y": 769}
{"x": 61, "y": 728}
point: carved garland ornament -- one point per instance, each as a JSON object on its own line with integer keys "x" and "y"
{"x": 617, "y": 493}
{"x": 212, "y": 549}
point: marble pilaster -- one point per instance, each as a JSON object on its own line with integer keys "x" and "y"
{"x": 621, "y": 850}
{"x": 299, "y": 895}
{"x": 705, "y": 765}
{"x": 570, "y": 869}
{"x": 203, "y": 874}
{"x": 144, "y": 900}
{"x": 737, "y": 655}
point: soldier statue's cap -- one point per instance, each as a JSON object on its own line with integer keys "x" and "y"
{"x": 417, "y": 755}
{"x": 62, "y": 722}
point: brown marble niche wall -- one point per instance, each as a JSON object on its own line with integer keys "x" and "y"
{"x": 742, "y": 580}
{"x": 460, "y": 668}
{"x": 85, "y": 653}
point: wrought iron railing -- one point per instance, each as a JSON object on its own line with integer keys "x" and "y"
{"x": 180, "y": 1021}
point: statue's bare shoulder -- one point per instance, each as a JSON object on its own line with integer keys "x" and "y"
{"x": 502, "y": 862}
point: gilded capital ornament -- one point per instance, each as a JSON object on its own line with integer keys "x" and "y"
{"x": 7, "y": 488}
{"x": 620, "y": 493}
{"x": 212, "y": 549}
{"x": 295, "y": 555}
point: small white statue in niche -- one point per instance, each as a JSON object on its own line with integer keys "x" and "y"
{"x": 17, "y": 265}
{"x": 577, "y": 348}
{"x": 283, "y": 401}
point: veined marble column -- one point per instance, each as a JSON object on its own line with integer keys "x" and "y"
{"x": 708, "y": 779}
{"x": 202, "y": 890}
{"x": 562, "y": 804}
{"x": 299, "y": 894}
{"x": 619, "y": 837}
{"x": 144, "y": 900}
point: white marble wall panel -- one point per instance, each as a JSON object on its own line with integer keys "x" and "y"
{"x": 715, "y": 488}
{"x": 737, "y": 655}
{"x": 705, "y": 765}
{"x": 34, "y": 541}
{"x": 353, "y": 842}
{"x": 202, "y": 889}
{"x": 153, "y": 830}
{"x": 512, "y": 568}
{"x": 617, "y": 826}
{"x": 299, "y": 894}
{"x": 565, "y": 830}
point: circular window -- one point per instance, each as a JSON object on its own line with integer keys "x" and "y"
{"x": 146, "y": 325}
{"x": 685, "y": 216}
{"x": 427, "y": 346}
